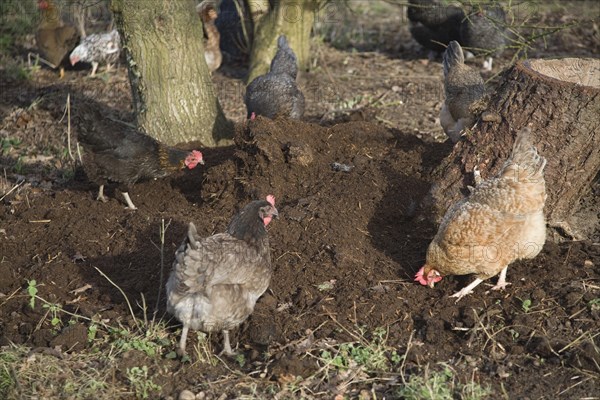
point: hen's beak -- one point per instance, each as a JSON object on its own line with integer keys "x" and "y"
{"x": 431, "y": 284}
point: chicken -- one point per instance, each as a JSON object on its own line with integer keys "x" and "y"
{"x": 464, "y": 88}
{"x": 434, "y": 24}
{"x": 484, "y": 32}
{"x": 54, "y": 37}
{"x": 212, "y": 52}
{"x": 216, "y": 281}
{"x": 276, "y": 93}
{"x": 127, "y": 157}
{"x": 98, "y": 48}
{"x": 501, "y": 221}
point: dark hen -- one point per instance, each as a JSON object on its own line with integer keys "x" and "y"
{"x": 216, "y": 280}
{"x": 484, "y": 32}
{"x": 276, "y": 93}
{"x": 464, "y": 87}
{"x": 128, "y": 156}
{"x": 434, "y": 24}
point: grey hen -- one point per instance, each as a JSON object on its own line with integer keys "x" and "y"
{"x": 98, "y": 48}
{"x": 484, "y": 32}
{"x": 434, "y": 24}
{"x": 276, "y": 93}
{"x": 216, "y": 280}
{"x": 463, "y": 87}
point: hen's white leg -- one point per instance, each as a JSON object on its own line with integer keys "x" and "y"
{"x": 101, "y": 194}
{"x": 94, "y": 68}
{"x": 477, "y": 176}
{"x": 130, "y": 204}
{"x": 502, "y": 284}
{"x": 467, "y": 289}
{"x": 226, "y": 345}
{"x": 487, "y": 64}
{"x": 182, "y": 341}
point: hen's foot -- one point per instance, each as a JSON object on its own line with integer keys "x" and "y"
{"x": 501, "y": 285}
{"x": 226, "y": 345}
{"x": 467, "y": 289}
{"x": 100, "y": 196}
{"x": 130, "y": 205}
{"x": 462, "y": 293}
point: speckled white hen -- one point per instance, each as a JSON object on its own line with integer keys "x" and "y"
{"x": 98, "y": 48}
{"x": 216, "y": 281}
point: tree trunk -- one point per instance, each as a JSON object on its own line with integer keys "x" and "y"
{"x": 560, "y": 101}
{"x": 173, "y": 94}
{"x": 293, "y": 18}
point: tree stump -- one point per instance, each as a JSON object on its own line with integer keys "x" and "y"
{"x": 560, "y": 101}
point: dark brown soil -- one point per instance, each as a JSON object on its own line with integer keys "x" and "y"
{"x": 356, "y": 232}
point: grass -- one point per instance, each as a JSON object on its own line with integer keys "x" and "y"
{"x": 441, "y": 384}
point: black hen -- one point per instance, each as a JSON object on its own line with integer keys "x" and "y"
{"x": 484, "y": 32}
{"x": 434, "y": 24}
{"x": 127, "y": 157}
{"x": 216, "y": 280}
{"x": 276, "y": 93}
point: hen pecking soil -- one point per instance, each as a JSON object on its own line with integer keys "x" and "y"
{"x": 344, "y": 250}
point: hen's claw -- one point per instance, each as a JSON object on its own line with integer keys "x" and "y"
{"x": 501, "y": 284}
{"x": 467, "y": 289}
{"x": 101, "y": 196}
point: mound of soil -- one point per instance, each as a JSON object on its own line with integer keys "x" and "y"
{"x": 344, "y": 250}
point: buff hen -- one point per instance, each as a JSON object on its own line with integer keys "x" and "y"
{"x": 216, "y": 280}
{"x": 501, "y": 221}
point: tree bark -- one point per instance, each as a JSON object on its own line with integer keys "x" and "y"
{"x": 293, "y": 18}
{"x": 560, "y": 101}
{"x": 173, "y": 94}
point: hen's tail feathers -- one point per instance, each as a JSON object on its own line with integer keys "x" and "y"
{"x": 285, "y": 61}
{"x": 525, "y": 156}
{"x": 191, "y": 236}
{"x": 453, "y": 56}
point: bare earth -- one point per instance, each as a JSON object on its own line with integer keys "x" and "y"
{"x": 344, "y": 250}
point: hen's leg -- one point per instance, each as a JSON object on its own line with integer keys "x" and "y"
{"x": 94, "y": 68}
{"x": 467, "y": 289}
{"x": 226, "y": 345}
{"x": 487, "y": 64}
{"x": 477, "y": 176}
{"x": 502, "y": 284}
{"x": 182, "y": 341}
{"x": 130, "y": 204}
{"x": 101, "y": 194}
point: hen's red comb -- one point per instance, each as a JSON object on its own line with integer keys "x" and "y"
{"x": 271, "y": 199}
{"x": 420, "y": 278}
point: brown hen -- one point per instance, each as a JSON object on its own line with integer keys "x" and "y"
{"x": 501, "y": 221}
{"x": 55, "y": 38}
